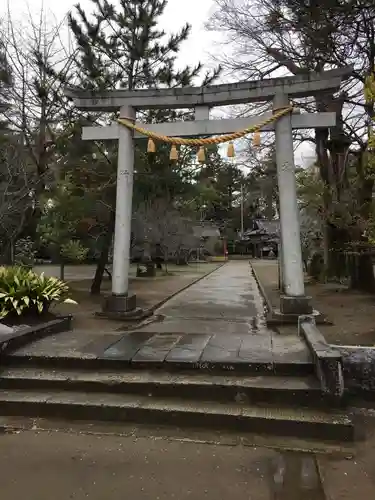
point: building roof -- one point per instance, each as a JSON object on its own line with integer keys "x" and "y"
{"x": 268, "y": 226}
{"x": 264, "y": 230}
{"x": 206, "y": 230}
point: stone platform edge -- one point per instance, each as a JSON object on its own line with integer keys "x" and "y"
{"x": 144, "y": 314}
{"x": 359, "y": 374}
{"x": 24, "y": 335}
{"x": 327, "y": 359}
{"x": 274, "y": 317}
{"x": 262, "y": 290}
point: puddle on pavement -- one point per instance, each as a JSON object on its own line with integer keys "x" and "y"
{"x": 295, "y": 476}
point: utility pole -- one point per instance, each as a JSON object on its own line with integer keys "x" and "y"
{"x": 242, "y": 217}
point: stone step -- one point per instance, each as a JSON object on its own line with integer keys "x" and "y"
{"x": 190, "y": 385}
{"x": 254, "y": 366}
{"x": 277, "y": 420}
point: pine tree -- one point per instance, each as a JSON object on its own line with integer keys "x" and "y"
{"x": 120, "y": 46}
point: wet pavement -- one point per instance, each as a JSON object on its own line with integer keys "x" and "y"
{"x": 229, "y": 297}
{"x": 245, "y": 352}
{"x": 218, "y": 321}
{"x": 44, "y": 459}
{"x": 59, "y": 465}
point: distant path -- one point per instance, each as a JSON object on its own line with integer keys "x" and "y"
{"x": 80, "y": 272}
{"x": 226, "y": 301}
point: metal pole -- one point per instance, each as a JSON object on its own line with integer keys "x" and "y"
{"x": 124, "y": 194}
{"x": 280, "y": 266}
{"x": 242, "y": 215}
{"x": 289, "y": 215}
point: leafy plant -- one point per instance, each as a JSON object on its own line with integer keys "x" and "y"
{"x": 73, "y": 251}
{"x": 23, "y": 291}
{"x": 24, "y": 252}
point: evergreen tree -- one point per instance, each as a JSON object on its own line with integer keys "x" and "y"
{"x": 219, "y": 187}
{"x": 121, "y": 47}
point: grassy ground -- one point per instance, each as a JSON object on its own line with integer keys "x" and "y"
{"x": 352, "y": 313}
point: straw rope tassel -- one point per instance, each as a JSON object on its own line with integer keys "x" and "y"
{"x": 174, "y": 153}
{"x": 230, "y": 152}
{"x": 256, "y": 139}
{"x": 201, "y": 155}
{"x": 151, "y": 148}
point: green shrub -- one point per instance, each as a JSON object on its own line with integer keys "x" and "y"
{"x": 73, "y": 251}
{"x": 24, "y": 252}
{"x": 23, "y": 291}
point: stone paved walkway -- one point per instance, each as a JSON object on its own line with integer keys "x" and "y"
{"x": 226, "y": 301}
{"x": 218, "y": 321}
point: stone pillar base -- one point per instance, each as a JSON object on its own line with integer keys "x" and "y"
{"x": 122, "y": 307}
{"x": 295, "y": 305}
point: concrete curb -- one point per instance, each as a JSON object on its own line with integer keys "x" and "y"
{"x": 274, "y": 317}
{"x": 327, "y": 360}
{"x": 261, "y": 288}
{"x": 23, "y": 336}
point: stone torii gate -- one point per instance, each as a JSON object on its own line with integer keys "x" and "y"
{"x": 279, "y": 90}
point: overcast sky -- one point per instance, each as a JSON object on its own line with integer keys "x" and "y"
{"x": 197, "y": 48}
{"x": 177, "y": 13}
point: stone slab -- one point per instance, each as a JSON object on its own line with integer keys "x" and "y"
{"x": 222, "y": 349}
{"x": 155, "y": 350}
{"x": 128, "y": 346}
{"x": 256, "y": 349}
{"x": 103, "y": 343}
{"x": 188, "y": 349}
{"x": 198, "y": 326}
{"x": 290, "y": 348}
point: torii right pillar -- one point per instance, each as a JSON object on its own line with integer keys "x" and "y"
{"x": 294, "y": 301}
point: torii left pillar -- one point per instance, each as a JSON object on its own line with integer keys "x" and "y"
{"x": 121, "y": 303}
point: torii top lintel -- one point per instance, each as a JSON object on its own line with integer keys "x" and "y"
{"x": 214, "y": 95}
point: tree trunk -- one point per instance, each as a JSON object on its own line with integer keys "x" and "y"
{"x": 103, "y": 258}
{"x": 326, "y": 246}
{"x": 362, "y": 273}
{"x": 366, "y": 273}
{"x": 337, "y": 240}
{"x": 62, "y": 271}
{"x": 269, "y": 212}
{"x": 364, "y": 270}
